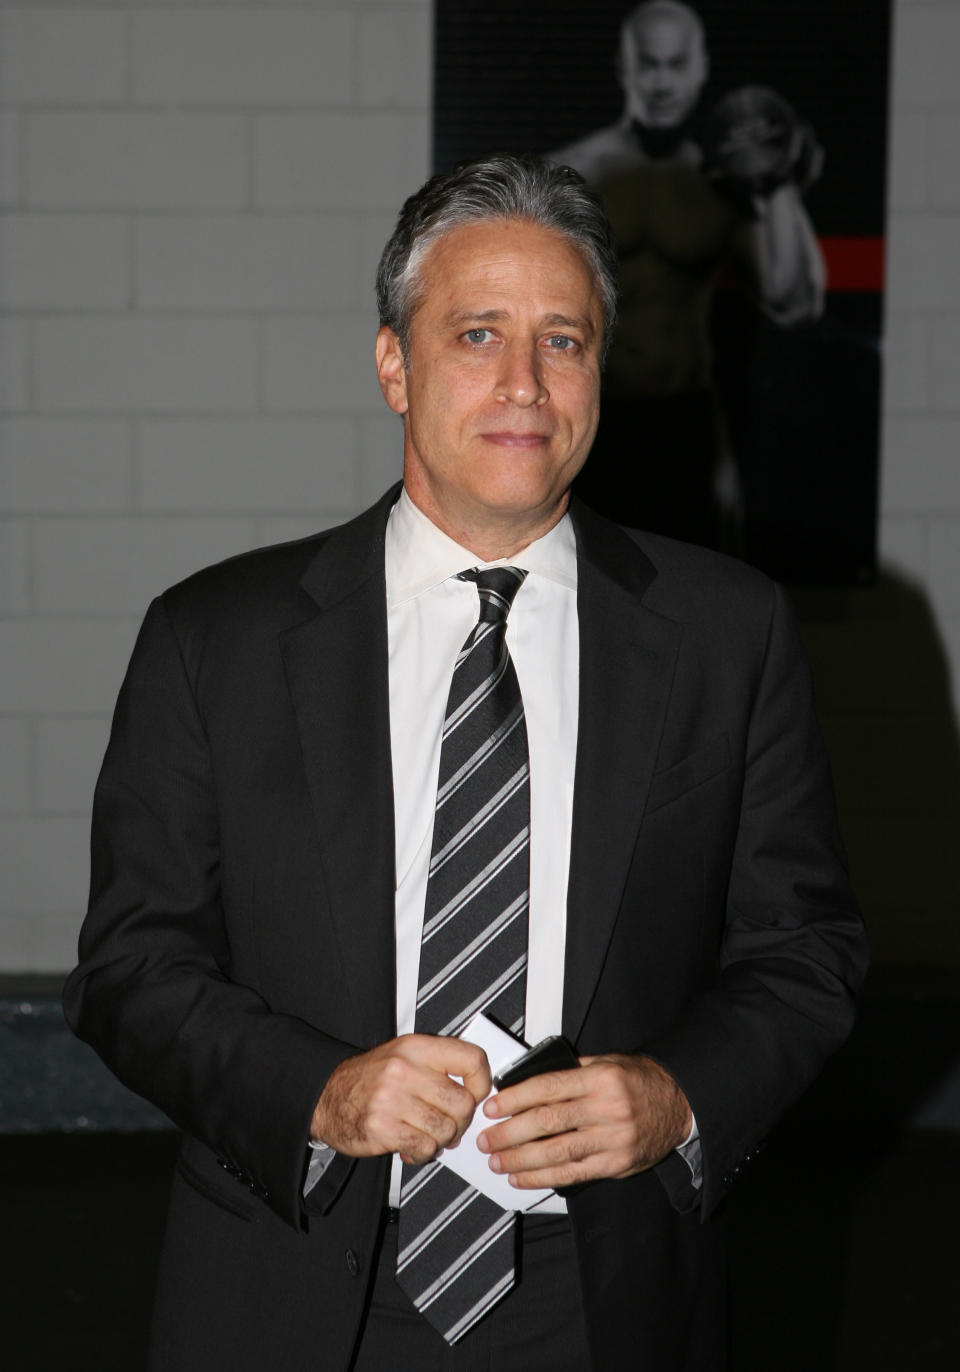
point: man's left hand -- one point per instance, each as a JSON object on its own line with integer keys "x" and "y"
{"x": 615, "y": 1115}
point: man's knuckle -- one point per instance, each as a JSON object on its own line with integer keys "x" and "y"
{"x": 416, "y": 1146}
{"x": 579, "y": 1149}
{"x": 559, "y": 1151}
{"x": 547, "y": 1119}
{"x": 621, "y": 1110}
{"x": 555, "y": 1085}
{"x": 438, "y": 1124}
{"x": 394, "y": 1069}
{"x": 458, "y": 1104}
{"x": 446, "y": 1130}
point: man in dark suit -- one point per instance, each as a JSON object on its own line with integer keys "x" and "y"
{"x": 265, "y": 848}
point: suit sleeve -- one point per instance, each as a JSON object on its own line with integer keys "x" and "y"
{"x": 156, "y": 992}
{"x": 793, "y": 951}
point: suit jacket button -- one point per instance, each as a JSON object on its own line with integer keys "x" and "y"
{"x": 353, "y": 1263}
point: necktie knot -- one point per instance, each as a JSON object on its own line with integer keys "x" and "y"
{"x": 496, "y": 587}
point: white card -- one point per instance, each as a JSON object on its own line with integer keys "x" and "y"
{"x": 466, "y": 1159}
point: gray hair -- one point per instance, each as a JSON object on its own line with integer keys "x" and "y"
{"x": 496, "y": 187}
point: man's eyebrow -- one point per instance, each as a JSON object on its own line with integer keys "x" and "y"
{"x": 494, "y": 316}
{"x": 576, "y": 321}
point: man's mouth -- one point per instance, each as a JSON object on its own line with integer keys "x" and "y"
{"x": 511, "y": 438}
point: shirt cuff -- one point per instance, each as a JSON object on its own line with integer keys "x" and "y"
{"x": 692, "y": 1153}
{"x": 320, "y": 1157}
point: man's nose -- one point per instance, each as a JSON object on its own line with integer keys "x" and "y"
{"x": 521, "y": 379}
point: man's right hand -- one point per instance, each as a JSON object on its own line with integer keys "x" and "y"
{"x": 399, "y": 1098}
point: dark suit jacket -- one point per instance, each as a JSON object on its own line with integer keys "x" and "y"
{"x": 240, "y": 938}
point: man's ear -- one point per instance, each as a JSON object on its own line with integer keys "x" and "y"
{"x": 391, "y": 372}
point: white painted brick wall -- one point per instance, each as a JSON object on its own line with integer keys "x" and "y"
{"x": 194, "y": 194}
{"x": 193, "y": 198}
{"x": 78, "y": 262}
{"x": 62, "y": 55}
{"x": 267, "y": 465}
{"x": 14, "y": 364}
{"x": 225, "y": 263}
{"x": 135, "y": 161}
{"x": 354, "y": 161}
{"x": 262, "y": 56}
{"x": 134, "y": 363}
{"x": 9, "y": 158}
{"x": 16, "y": 789}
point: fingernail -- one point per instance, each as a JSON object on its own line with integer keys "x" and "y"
{"x": 483, "y": 1143}
{"x": 491, "y": 1108}
{"x": 495, "y": 1164}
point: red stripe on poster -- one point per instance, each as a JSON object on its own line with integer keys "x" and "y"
{"x": 854, "y": 264}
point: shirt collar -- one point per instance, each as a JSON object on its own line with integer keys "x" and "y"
{"x": 420, "y": 556}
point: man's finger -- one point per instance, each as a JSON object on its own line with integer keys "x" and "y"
{"x": 553, "y": 1151}
{"x": 577, "y": 1156}
{"x": 539, "y": 1122}
{"x": 544, "y": 1089}
{"x": 453, "y": 1058}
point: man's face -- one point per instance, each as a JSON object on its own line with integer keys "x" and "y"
{"x": 665, "y": 68}
{"x": 500, "y": 392}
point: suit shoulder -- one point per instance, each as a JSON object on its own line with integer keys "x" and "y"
{"x": 692, "y": 560}
{"x": 258, "y": 577}
{"x": 255, "y": 595}
{"x": 700, "y": 584}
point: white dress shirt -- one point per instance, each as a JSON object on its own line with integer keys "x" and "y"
{"x": 430, "y": 612}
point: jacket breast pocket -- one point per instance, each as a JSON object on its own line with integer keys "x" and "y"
{"x": 692, "y": 771}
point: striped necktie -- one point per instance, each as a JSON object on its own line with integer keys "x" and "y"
{"x": 456, "y": 1247}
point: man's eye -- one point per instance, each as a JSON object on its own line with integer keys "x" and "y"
{"x": 478, "y": 335}
{"x": 561, "y": 342}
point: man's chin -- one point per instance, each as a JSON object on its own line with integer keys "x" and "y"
{"x": 519, "y": 504}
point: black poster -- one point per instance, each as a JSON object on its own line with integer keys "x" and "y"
{"x": 740, "y": 150}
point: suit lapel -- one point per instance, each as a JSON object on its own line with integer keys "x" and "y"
{"x": 627, "y": 658}
{"x": 336, "y": 667}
